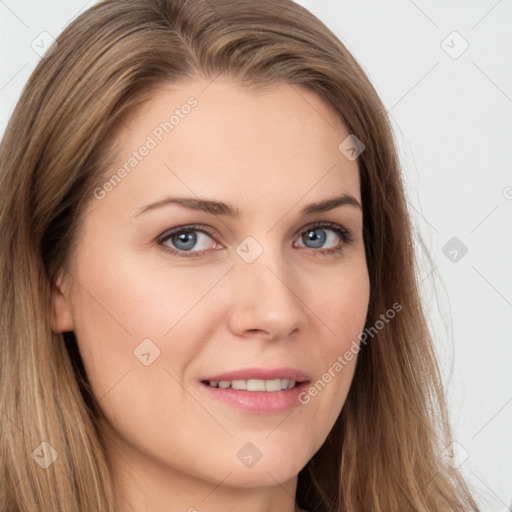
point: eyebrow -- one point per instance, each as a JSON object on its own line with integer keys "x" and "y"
{"x": 220, "y": 208}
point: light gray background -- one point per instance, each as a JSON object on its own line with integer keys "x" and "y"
{"x": 452, "y": 116}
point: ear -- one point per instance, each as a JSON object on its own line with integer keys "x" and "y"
{"x": 62, "y": 319}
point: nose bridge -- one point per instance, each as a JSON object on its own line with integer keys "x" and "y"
{"x": 264, "y": 297}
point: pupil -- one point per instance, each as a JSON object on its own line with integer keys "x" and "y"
{"x": 316, "y": 236}
{"x": 185, "y": 240}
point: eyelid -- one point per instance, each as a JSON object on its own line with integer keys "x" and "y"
{"x": 187, "y": 227}
{"x": 343, "y": 233}
{"x": 325, "y": 224}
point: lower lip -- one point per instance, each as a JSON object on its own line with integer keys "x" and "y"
{"x": 262, "y": 402}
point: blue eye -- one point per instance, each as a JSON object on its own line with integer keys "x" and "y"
{"x": 185, "y": 239}
{"x": 194, "y": 241}
{"x": 188, "y": 239}
{"x": 317, "y": 236}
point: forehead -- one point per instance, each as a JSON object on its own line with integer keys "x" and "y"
{"x": 218, "y": 139}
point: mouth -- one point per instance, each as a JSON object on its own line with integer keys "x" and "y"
{"x": 258, "y": 390}
{"x": 269, "y": 386}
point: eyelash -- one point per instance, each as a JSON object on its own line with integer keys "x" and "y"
{"x": 343, "y": 233}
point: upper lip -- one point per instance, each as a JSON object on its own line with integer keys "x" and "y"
{"x": 261, "y": 374}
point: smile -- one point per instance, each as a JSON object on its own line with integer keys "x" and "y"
{"x": 258, "y": 390}
{"x": 254, "y": 384}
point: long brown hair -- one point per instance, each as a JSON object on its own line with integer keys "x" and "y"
{"x": 384, "y": 453}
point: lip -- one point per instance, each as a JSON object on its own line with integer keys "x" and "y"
{"x": 261, "y": 374}
{"x": 259, "y": 402}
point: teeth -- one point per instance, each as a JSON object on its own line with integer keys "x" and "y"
{"x": 238, "y": 384}
{"x": 271, "y": 385}
{"x": 254, "y": 384}
{"x": 258, "y": 385}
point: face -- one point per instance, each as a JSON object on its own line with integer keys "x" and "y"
{"x": 218, "y": 261}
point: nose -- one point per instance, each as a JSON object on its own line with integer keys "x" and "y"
{"x": 266, "y": 298}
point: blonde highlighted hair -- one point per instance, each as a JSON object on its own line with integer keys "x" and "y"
{"x": 384, "y": 453}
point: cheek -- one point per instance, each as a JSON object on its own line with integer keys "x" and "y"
{"x": 132, "y": 298}
{"x": 138, "y": 323}
{"x": 174, "y": 313}
{"x": 340, "y": 309}
{"x": 130, "y": 310}
{"x": 341, "y": 304}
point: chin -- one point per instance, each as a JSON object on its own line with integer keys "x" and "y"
{"x": 263, "y": 476}
{"x": 273, "y": 466}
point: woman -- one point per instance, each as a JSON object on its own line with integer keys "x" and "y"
{"x": 209, "y": 297}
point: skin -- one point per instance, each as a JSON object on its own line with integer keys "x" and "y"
{"x": 269, "y": 154}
